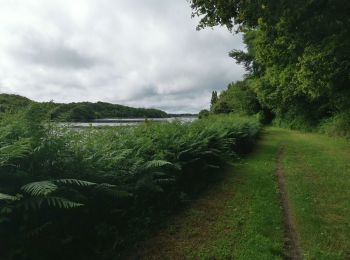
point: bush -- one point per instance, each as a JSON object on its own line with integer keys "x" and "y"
{"x": 89, "y": 194}
{"x": 203, "y": 113}
{"x": 338, "y": 125}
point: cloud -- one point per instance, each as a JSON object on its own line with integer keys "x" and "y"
{"x": 51, "y": 53}
{"x": 139, "y": 53}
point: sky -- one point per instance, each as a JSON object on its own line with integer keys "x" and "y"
{"x": 131, "y": 52}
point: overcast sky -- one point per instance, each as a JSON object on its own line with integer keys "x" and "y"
{"x": 132, "y": 52}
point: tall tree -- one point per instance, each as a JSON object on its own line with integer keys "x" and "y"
{"x": 214, "y": 99}
{"x": 298, "y": 52}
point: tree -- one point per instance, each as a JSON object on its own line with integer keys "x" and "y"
{"x": 298, "y": 53}
{"x": 214, "y": 99}
{"x": 203, "y": 113}
{"x": 237, "y": 98}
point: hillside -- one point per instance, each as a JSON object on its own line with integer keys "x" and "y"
{"x": 9, "y": 102}
{"x": 81, "y": 111}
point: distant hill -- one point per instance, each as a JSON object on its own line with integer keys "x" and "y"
{"x": 11, "y": 102}
{"x": 81, "y": 111}
{"x": 183, "y": 115}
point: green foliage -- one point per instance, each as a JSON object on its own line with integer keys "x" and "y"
{"x": 297, "y": 56}
{"x": 75, "y": 182}
{"x": 86, "y": 111}
{"x": 80, "y": 113}
{"x": 338, "y": 125}
{"x": 13, "y": 102}
{"x": 214, "y": 99}
{"x": 239, "y": 99}
{"x": 75, "y": 112}
{"x": 56, "y": 202}
{"x": 7, "y": 197}
{"x": 39, "y": 188}
{"x": 94, "y": 192}
{"x": 203, "y": 113}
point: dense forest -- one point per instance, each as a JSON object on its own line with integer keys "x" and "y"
{"x": 297, "y": 60}
{"x": 78, "y": 112}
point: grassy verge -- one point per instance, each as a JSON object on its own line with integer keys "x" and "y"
{"x": 239, "y": 218}
{"x": 317, "y": 172}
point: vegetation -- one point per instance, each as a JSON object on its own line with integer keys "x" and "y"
{"x": 78, "y": 112}
{"x": 238, "y": 99}
{"x": 203, "y": 113}
{"x": 91, "y": 194}
{"x": 318, "y": 185}
{"x": 297, "y": 57}
{"x": 240, "y": 217}
{"x": 86, "y": 111}
{"x": 214, "y": 99}
{"x": 12, "y": 102}
{"x": 88, "y": 194}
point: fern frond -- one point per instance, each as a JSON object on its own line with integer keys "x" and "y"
{"x": 154, "y": 164}
{"x": 40, "y": 188}
{"x": 136, "y": 166}
{"x": 7, "y": 197}
{"x": 165, "y": 181}
{"x": 76, "y": 182}
{"x": 112, "y": 191}
{"x": 213, "y": 166}
{"x": 57, "y": 202}
{"x": 62, "y": 203}
{"x": 16, "y": 150}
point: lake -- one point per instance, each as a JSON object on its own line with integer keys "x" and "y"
{"x": 126, "y": 121}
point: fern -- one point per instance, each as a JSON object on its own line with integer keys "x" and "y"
{"x": 212, "y": 166}
{"x": 62, "y": 203}
{"x": 76, "y": 182}
{"x": 40, "y": 188}
{"x": 165, "y": 181}
{"x": 154, "y": 164}
{"x": 136, "y": 166}
{"x": 8, "y": 197}
{"x": 56, "y": 202}
{"x": 16, "y": 150}
{"x": 112, "y": 191}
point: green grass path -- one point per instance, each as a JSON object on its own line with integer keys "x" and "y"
{"x": 241, "y": 217}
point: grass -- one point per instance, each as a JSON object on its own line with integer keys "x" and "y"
{"x": 241, "y": 217}
{"x": 317, "y": 171}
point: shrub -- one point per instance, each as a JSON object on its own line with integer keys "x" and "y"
{"x": 89, "y": 194}
{"x": 338, "y": 125}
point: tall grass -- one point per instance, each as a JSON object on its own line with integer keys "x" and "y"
{"x": 91, "y": 193}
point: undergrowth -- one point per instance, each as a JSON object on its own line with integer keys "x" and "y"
{"x": 90, "y": 194}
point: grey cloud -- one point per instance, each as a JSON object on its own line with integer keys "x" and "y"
{"x": 52, "y": 53}
{"x": 139, "y": 53}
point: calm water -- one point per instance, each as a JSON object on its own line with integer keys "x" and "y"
{"x": 127, "y": 121}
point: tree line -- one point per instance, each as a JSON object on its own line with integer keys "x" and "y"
{"x": 77, "y": 112}
{"x": 297, "y": 60}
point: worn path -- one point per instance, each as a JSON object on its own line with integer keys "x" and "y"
{"x": 291, "y": 239}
